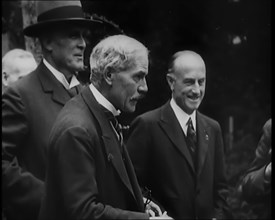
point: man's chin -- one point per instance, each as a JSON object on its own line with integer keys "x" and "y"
{"x": 79, "y": 68}
{"x": 191, "y": 109}
{"x": 194, "y": 106}
{"x": 130, "y": 109}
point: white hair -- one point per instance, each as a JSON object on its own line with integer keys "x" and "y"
{"x": 114, "y": 54}
{"x": 17, "y": 62}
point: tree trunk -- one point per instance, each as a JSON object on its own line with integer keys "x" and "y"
{"x": 29, "y": 17}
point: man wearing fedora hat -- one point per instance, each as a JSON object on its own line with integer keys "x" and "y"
{"x": 30, "y": 106}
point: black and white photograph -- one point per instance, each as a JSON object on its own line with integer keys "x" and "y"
{"x": 117, "y": 109}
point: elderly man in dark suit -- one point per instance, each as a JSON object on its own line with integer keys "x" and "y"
{"x": 90, "y": 175}
{"x": 178, "y": 152}
{"x": 30, "y": 106}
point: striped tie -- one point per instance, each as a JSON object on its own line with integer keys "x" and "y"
{"x": 74, "y": 90}
{"x": 118, "y": 129}
{"x": 191, "y": 138}
{"x": 115, "y": 124}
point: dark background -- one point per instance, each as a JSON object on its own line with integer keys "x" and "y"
{"x": 238, "y": 75}
{"x": 234, "y": 39}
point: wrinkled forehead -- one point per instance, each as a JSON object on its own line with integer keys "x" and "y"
{"x": 141, "y": 59}
{"x": 139, "y": 53}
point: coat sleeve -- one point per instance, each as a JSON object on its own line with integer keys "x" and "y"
{"x": 254, "y": 185}
{"x": 21, "y": 190}
{"x": 221, "y": 191}
{"x": 74, "y": 158}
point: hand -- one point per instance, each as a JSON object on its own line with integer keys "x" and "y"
{"x": 152, "y": 208}
{"x": 163, "y": 216}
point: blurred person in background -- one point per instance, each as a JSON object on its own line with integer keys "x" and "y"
{"x": 30, "y": 105}
{"x": 255, "y": 185}
{"x": 16, "y": 63}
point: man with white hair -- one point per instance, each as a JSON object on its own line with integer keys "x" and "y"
{"x": 90, "y": 174}
{"x": 16, "y": 63}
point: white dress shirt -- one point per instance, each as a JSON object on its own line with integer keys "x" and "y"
{"x": 60, "y": 76}
{"x": 183, "y": 116}
{"x": 103, "y": 101}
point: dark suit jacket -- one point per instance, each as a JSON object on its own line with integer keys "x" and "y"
{"x": 87, "y": 177}
{"x": 29, "y": 108}
{"x": 163, "y": 164}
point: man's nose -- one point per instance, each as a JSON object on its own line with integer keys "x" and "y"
{"x": 82, "y": 42}
{"x": 196, "y": 88}
{"x": 143, "y": 87}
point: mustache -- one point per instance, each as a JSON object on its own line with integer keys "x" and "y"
{"x": 137, "y": 98}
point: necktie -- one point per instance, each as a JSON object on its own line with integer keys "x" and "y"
{"x": 116, "y": 125}
{"x": 118, "y": 129}
{"x": 73, "y": 91}
{"x": 191, "y": 138}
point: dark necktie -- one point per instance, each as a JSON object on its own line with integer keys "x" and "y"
{"x": 191, "y": 138}
{"x": 73, "y": 91}
{"x": 115, "y": 124}
{"x": 118, "y": 129}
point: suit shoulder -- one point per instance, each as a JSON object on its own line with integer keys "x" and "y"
{"x": 212, "y": 122}
{"x": 21, "y": 90}
{"x": 25, "y": 84}
{"x": 75, "y": 119}
{"x": 74, "y": 112}
{"x": 150, "y": 115}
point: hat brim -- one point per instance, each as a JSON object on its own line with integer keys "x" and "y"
{"x": 37, "y": 29}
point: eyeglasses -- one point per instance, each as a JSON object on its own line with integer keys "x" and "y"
{"x": 147, "y": 194}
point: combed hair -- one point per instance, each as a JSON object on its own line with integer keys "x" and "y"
{"x": 112, "y": 55}
{"x": 172, "y": 61}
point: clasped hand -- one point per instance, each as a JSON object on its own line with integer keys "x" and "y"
{"x": 154, "y": 211}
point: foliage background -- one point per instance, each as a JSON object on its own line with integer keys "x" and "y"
{"x": 234, "y": 38}
{"x": 238, "y": 74}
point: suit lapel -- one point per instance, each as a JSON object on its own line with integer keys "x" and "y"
{"x": 133, "y": 179}
{"x": 114, "y": 156}
{"x": 51, "y": 85}
{"x": 111, "y": 144}
{"x": 203, "y": 139}
{"x": 171, "y": 127}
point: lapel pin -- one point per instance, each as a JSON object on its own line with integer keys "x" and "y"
{"x": 110, "y": 157}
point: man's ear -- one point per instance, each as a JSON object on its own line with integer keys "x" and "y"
{"x": 171, "y": 80}
{"x": 47, "y": 43}
{"x": 108, "y": 76}
{"x": 5, "y": 77}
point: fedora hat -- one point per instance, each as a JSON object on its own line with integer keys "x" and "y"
{"x": 52, "y": 13}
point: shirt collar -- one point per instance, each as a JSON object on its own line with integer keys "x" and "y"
{"x": 60, "y": 76}
{"x": 103, "y": 101}
{"x": 182, "y": 116}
